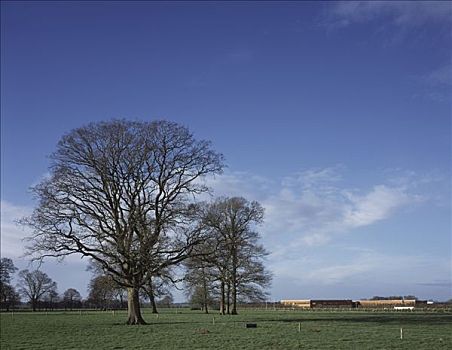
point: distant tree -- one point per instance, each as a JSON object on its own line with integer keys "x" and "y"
{"x": 7, "y": 268}
{"x": 121, "y": 193}
{"x": 34, "y": 285}
{"x": 71, "y": 297}
{"x": 120, "y": 293}
{"x": 200, "y": 297}
{"x": 200, "y": 278}
{"x": 117, "y": 293}
{"x": 51, "y": 298}
{"x": 8, "y": 296}
{"x": 166, "y": 301}
{"x": 157, "y": 287}
{"x": 102, "y": 290}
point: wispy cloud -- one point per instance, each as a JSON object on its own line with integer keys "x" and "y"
{"x": 376, "y": 205}
{"x": 397, "y": 13}
{"x": 438, "y": 283}
{"x": 313, "y": 207}
{"x": 436, "y": 84}
{"x": 12, "y": 235}
{"x": 391, "y": 22}
{"x": 441, "y": 76}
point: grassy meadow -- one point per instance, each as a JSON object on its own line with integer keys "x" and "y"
{"x": 185, "y": 329}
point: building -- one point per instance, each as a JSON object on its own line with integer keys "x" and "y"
{"x": 368, "y": 304}
{"x": 317, "y": 303}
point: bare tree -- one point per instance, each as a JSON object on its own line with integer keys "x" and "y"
{"x": 51, "y": 298}
{"x": 34, "y": 285}
{"x": 166, "y": 301}
{"x": 201, "y": 273}
{"x": 200, "y": 286}
{"x": 238, "y": 256}
{"x": 120, "y": 193}
{"x": 70, "y": 297}
{"x": 157, "y": 287}
{"x": 99, "y": 282}
{"x": 9, "y": 297}
{"x": 7, "y": 268}
{"x": 102, "y": 291}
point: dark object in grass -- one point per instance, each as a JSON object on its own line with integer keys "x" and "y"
{"x": 250, "y": 325}
{"x": 202, "y": 331}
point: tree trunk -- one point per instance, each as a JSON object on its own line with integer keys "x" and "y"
{"x": 152, "y": 300}
{"x": 205, "y": 294}
{"x": 228, "y": 298}
{"x": 133, "y": 305}
{"x": 33, "y": 305}
{"x": 234, "y": 281}
{"x": 222, "y": 301}
{"x": 234, "y": 300}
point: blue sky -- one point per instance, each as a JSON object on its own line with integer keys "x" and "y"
{"x": 336, "y": 116}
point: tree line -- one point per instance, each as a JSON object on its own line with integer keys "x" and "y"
{"x": 36, "y": 287}
{"x": 125, "y": 195}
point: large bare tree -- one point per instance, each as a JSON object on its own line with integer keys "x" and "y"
{"x": 122, "y": 194}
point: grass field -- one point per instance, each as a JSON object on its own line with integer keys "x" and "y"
{"x": 194, "y": 330}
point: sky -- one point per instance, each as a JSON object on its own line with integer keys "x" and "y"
{"x": 335, "y": 116}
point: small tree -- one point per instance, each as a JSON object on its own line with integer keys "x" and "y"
{"x": 199, "y": 281}
{"x": 102, "y": 290}
{"x": 71, "y": 297}
{"x": 34, "y": 285}
{"x": 166, "y": 301}
{"x": 51, "y": 298}
{"x": 7, "y": 268}
{"x": 8, "y": 295}
{"x": 157, "y": 287}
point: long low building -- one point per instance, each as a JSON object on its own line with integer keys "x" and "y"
{"x": 318, "y": 303}
{"x": 390, "y": 303}
{"x": 303, "y": 303}
{"x": 336, "y": 303}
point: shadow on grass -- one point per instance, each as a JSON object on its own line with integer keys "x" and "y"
{"x": 169, "y": 322}
{"x": 406, "y": 319}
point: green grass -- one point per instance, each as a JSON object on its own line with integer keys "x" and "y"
{"x": 194, "y": 330}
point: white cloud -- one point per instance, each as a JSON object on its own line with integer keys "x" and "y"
{"x": 311, "y": 208}
{"x": 376, "y": 205}
{"x": 251, "y": 186}
{"x": 436, "y": 84}
{"x": 441, "y": 76}
{"x": 398, "y": 13}
{"x": 12, "y": 234}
